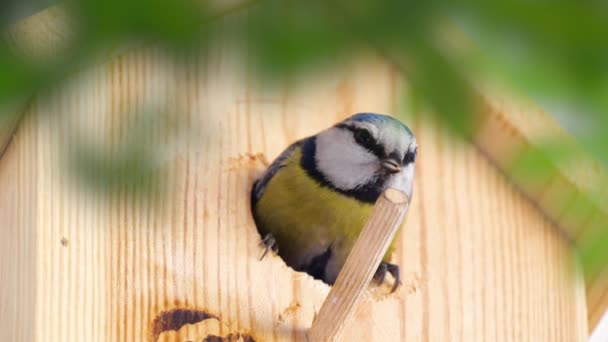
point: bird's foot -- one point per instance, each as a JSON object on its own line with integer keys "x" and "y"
{"x": 390, "y": 268}
{"x": 269, "y": 243}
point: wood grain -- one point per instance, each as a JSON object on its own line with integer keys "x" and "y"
{"x": 360, "y": 266}
{"x": 572, "y": 192}
{"x": 18, "y": 229}
{"x": 479, "y": 263}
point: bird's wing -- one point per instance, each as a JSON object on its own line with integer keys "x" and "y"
{"x": 260, "y": 184}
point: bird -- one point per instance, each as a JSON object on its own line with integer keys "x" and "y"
{"x": 313, "y": 200}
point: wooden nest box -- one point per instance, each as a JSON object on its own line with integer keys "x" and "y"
{"x": 180, "y": 262}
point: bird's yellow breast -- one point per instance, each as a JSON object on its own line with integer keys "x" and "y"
{"x": 306, "y": 218}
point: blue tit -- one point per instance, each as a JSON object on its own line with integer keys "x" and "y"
{"x": 315, "y": 198}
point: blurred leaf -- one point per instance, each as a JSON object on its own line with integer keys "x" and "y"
{"x": 288, "y": 36}
{"x": 593, "y": 251}
{"x": 556, "y": 56}
{"x": 178, "y": 23}
{"x": 16, "y": 77}
{"x": 132, "y": 166}
{"x": 134, "y": 161}
{"x": 435, "y": 80}
{"x": 554, "y": 50}
{"x": 12, "y": 11}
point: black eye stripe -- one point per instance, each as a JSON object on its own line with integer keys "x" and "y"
{"x": 364, "y": 138}
{"x": 410, "y": 157}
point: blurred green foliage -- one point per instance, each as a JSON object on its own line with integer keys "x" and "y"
{"x": 177, "y": 24}
{"x": 133, "y": 162}
{"x": 555, "y": 51}
{"x": 12, "y": 11}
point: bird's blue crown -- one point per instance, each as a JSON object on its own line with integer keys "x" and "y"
{"x": 372, "y": 117}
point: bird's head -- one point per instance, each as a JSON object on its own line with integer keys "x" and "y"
{"x": 367, "y": 151}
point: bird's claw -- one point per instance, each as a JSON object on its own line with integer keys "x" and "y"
{"x": 269, "y": 242}
{"x": 390, "y": 268}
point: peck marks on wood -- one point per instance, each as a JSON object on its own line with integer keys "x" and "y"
{"x": 176, "y": 318}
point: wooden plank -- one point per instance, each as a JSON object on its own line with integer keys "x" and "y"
{"x": 479, "y": 263}
{"x": 18, "y": 221}
{"x": 572, "y": 192}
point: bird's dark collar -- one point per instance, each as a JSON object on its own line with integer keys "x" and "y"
{"x": 367, "y": 193}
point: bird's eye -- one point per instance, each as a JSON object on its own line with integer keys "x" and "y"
{"x": 410, "y": 157}
{"x": 364, "y": 138}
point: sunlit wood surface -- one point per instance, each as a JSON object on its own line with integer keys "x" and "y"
{"x": 572, "y": 192}
{"x": 479, "y": 262}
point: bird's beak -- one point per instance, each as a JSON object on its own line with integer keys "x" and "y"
{"x": 391, "y": 165}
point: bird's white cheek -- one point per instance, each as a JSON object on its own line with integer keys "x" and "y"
{"x": 345, "y": 164}
{"x": 403, "y": 181}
